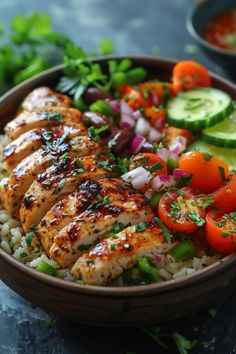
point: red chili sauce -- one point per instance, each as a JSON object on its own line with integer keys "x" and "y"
{"x": 221, "y": 30}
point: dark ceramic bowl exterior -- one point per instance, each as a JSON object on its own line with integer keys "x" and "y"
{"x": 197, "y": 18}
{"x": 112, "y": 306}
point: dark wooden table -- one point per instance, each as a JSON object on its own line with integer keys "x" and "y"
{"x": 150, "y": 27}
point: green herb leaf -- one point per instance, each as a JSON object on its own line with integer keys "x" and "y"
{"x": 222, "y": 173}
{"x": 141, "y": 227}
{"x": 207, "y": 156}
{"x": 196, "y": 217}
{"x": 29, "y": 237}
{"x": 84, "y": 247}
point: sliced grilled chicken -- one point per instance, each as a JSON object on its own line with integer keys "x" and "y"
{"x": 89, "y": 192}
{"x": 92, "y": 224}
{"x": 44, "y": 96}
{"x": 113, "y": 256}
{"x": 59, "y": 180}
{"x": 24, "y": 174}
{"x": 41, "y": 117}
{"x": 32, "y": 140}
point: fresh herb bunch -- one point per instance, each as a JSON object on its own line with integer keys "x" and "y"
{"x": 80, "y": 73}
{"x": 31, "y": 46}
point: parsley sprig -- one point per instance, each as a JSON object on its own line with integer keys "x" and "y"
{"x": 182, "y": 343}
{"x": 80, "y": 73}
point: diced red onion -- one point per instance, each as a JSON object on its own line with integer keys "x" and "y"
{"x": 126, "y": 113}
{"x": 153, "y": 98}
{"x": 137, "y": 143}
{"x": 114, "y": 104}
{"x": 180, "y": 173}
{"x": 125, "y": 125}
{"x": 136, "y": 114}
{"x": 163, "y": 153}
{"x": 141, "y": 180}
{"x": 127, "y": 177}
{"x": 154, "y": 135}
{"x": 163, "y": 182}
{"x": 178, "y": 145}
{"x": 142, "y": 127}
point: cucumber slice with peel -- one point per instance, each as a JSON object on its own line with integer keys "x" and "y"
{"x": 222, "y": 134}
{"x": 199, "y": 108}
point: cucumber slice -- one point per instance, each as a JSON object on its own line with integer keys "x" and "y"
{"x": 199, "y": 108}
{"x": 222, "y": 134}
{"x": 225, "y": 154}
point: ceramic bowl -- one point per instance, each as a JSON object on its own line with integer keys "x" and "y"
{"x": 112, "y": 306}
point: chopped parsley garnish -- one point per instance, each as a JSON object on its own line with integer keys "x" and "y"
{"x": 89, "y": 262}
{"x": 53, "y": 115}
{"x": 156, "y": 167}
{"x": 106, "y": 200}
{"x": 204, "y": 201}
{"x": 165, "y": 231}
{"x": 207, "y": 156}
{"x": 65, "y": 156}
{"x": 122, "y": 165}
{"x": 59, "y": 188}
{"x": 104, "y": 164}
{"x": 154, "y": 148}
{"x": 29, "y": 237}
{"x": 175, "y": 210}
{"x": 84, "y": 247}
{"x": 221, "y": 223}
{"x": 94, "y": 133}
{"x": 113, "y": 247}
{"x": 118, "y": 226}
{"x": 47, "y": 135}
{"x": 196, "y": 217}
{"x": 79, "y": 163}
{"x": 222, "y": 173}
{"x": 141, "y": 227}
{"x": 23, "y": 255}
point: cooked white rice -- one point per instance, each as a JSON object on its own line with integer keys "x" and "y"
{"x": 12, "y": 240}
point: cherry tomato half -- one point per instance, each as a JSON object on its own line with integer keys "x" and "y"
{"x": 179, "y": 211}
{"x": 221, "y": 231}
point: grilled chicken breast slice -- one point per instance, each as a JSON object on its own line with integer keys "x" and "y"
{"x": 92, "y": 224}
{"x": 32, "y": 140}
{"x": 41, "y": 117}
{"x": 45, "y": 96}
{"x": 25, "y": 173}
{"x": 113, "y": 256}
{"x": 89, "y": 192}
{"x": 57, "y": 181}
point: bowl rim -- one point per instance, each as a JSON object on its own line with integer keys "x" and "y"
{"x": 210, "y": 272}
{"x": 191, "y": 29}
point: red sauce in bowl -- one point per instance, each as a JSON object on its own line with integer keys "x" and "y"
{"x": 221, "y": 30}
